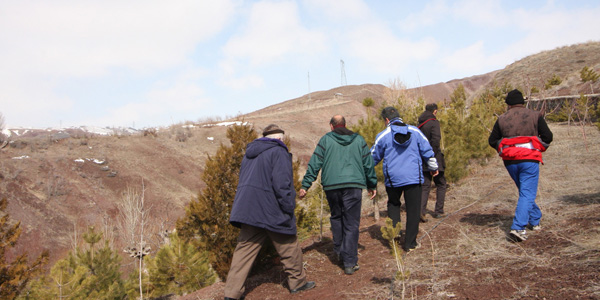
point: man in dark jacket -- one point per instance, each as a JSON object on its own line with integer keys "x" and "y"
{"x": 347, "y": 169}
{"x": 520, "y": 135}
{"x": 264, "y": 207}
{"x": 430, "y": 126}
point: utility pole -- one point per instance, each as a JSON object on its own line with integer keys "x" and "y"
{"x": 309, "y": 86}
{"x": 342, "y": 66}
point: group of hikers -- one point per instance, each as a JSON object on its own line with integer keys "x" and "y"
{"x": 265, "y": 199}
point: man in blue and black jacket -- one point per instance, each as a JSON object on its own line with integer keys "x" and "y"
{"x": 403, "y": 149}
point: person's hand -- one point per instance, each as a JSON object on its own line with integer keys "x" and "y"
{"x": 434, "y": 173}
{"x": 301, "y": 193}
{"x": 372, "y": 193}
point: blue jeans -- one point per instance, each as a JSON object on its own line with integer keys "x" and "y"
{"x": 345, "y": 205}
{"x": 526, "y": 175}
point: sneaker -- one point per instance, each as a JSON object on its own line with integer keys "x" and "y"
{"x": 412, "y": 249}
{"x": 439, "y": 216}
{"x": 424, "y": 218}
{"x": 307, "y": 286}
{"x": 351, "y": 270}
{"x": 520, "y": 235}
{"x": 537, "y": 227}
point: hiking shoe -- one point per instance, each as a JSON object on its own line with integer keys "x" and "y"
{"x": 307, "y": 286}
{"x": 412, "y": 249}
{"x": 424, "y": 218}
{"x": 519, "y": 235}
{"x": 351, "y": 270}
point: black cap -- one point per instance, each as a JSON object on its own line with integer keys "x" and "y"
{"x": 514, "y": 97}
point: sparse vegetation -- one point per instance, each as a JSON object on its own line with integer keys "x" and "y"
{"x": 588, "y": 74}
{"x": 15, "y": 274}
{"x": 177, "y": 268}
{"x": 390, "y": 233}
{"x": 86, "y": 273}
{"x": 553, "y": 81}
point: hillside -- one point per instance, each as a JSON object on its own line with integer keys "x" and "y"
{"x": 467, "y": 255}
{"x": 58, "y": 184}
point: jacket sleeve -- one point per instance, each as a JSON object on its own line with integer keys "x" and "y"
{"x": 283, "y": 186}
{"x": 314, "y": 165}
{"x": 368, "y": 166}
{"x": 426, "y": 152}
{"x": 495, "y": 136}
{"x": 544, "y": 132}
{"x": 436, "y": 136}
{"x": 378, "y": 150}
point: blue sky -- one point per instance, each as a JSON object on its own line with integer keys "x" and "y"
{"x": 155, "y": 63}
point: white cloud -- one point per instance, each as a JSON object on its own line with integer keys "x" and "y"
{"x": 273, "y": 32}
{"x": 340, "y": 11}
{"x": 381, "y": 50}
{"x": 468, "y": 60}
{"x": 483, "y": 13}
{"x": 70, "y": 38}
{"x": 180, "y": 97}
{"x": 45, "y": 42}
{"x": 433, "y": 13}
{"x": 548, "y": 29}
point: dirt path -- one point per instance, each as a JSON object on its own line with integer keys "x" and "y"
{"x": 467, "y": 255}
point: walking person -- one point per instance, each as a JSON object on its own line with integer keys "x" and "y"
{"x": 264, "y": 208}
{"x": 430, "y": 126}
{"x": 520, "y": 135}
{"x": 347, "y": 168}
{"x": 404, "y": 150}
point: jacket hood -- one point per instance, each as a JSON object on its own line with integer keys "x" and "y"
{"x": 426, "y": 115}
{"x": 400, "y": 133}
{"x": 260, "y": 145}
{"x": 342, "y": 139}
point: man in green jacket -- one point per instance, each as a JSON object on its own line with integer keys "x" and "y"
{"x": 347, "y": 168}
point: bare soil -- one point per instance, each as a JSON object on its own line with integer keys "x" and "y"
{"x": 468, "y": 255}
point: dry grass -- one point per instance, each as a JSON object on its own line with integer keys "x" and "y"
{"x": 469, "y": 251}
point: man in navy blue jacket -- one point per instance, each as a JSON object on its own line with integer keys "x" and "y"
{"x": 264, "y": 207}
{"x": 403, "y": 149}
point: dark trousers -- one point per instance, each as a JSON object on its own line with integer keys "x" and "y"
{"x": 412, "y": 200}
{"x": 440, "y": 193}
{"x": 345, "y": 205}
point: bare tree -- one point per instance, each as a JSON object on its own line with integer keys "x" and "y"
{"x": 133, "y": 214}
{"x": 3, "y": 139}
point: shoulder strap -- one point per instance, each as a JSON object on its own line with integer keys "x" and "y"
{"x": 425, "y": 122}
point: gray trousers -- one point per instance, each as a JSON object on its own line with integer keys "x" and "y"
{"x": 250, "y": 242}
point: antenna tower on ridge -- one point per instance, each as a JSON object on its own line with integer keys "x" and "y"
{"x": 309, "y": 86}
{"x": 342, "y": 66}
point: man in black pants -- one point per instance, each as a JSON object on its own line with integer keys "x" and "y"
{"x": 403, "y": 149}
{"x": 430, "y": 127}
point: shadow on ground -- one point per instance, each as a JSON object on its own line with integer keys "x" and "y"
{"x": 581, "y": 199}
